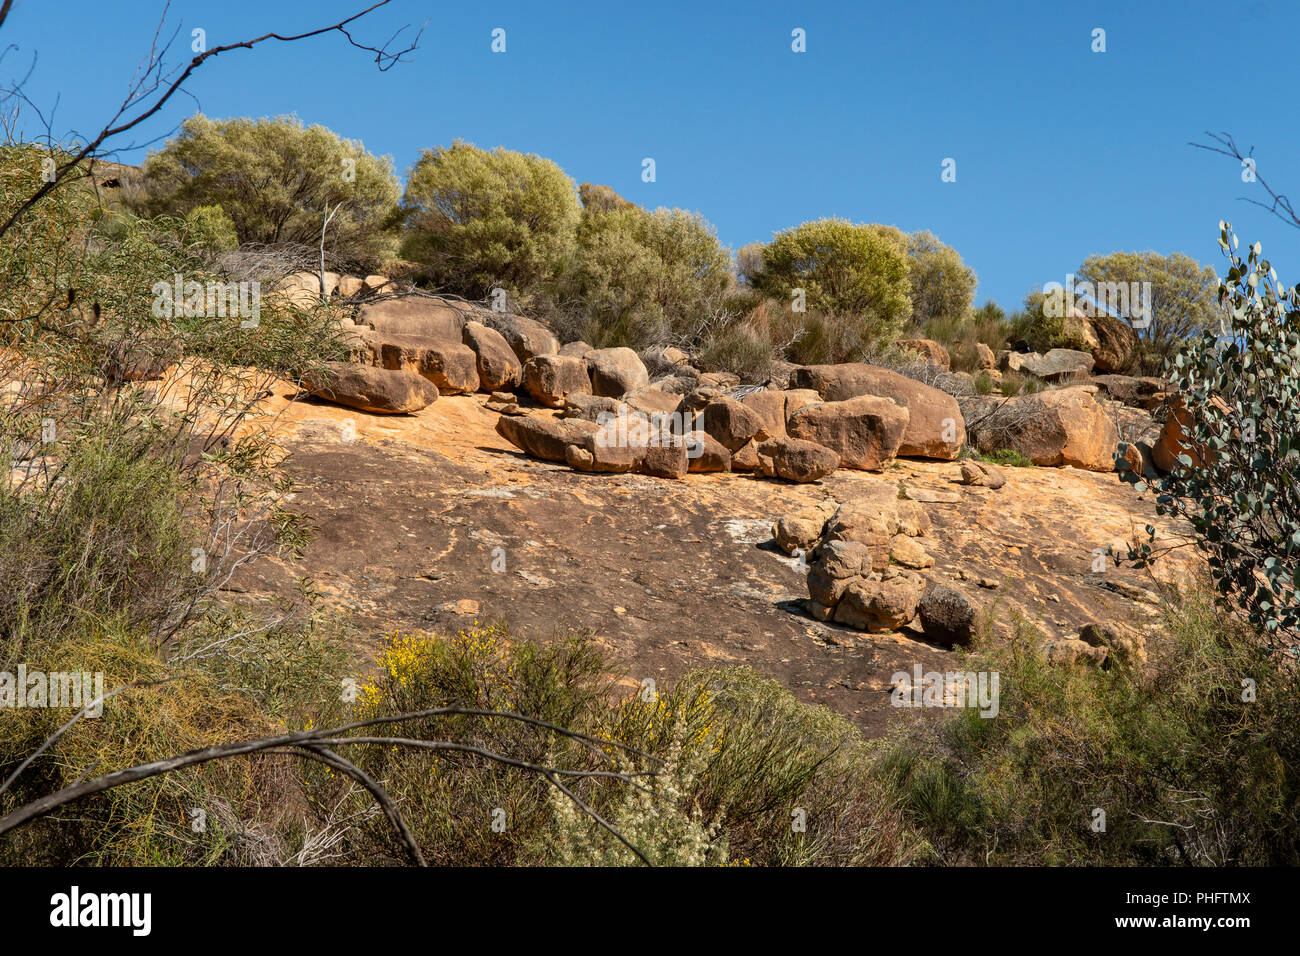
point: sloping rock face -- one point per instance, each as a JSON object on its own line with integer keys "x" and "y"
{"x": 412, "y": 509}
{"x": 865, "y": 432}
{"x": 935, "y": 427}
{"x": 371, "y": 389}
{"x": 1061, "y": 427}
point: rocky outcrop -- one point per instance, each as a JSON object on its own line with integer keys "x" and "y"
{"x": 982, "y": 475}
{"x": 527, "y": 338}
{"x": 545, "y": 438}
{"x": 451, "y": 366}
{"x": 1116, "y": 343}
{"x": 371, "y": 389}
{"x": 796, "y": 460}
{"x": 427, "y": 318}
{"x": 732, "y": 423}
{"x": 930, "y": 351}
{"x": 1058, "y": 365}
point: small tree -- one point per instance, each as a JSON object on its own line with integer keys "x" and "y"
{"x": 1237, "y": 476}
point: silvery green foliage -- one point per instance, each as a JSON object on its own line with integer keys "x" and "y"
{"x": 1238, "y": 481}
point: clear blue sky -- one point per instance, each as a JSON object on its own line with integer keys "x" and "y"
{"x": 1061, "y": 152}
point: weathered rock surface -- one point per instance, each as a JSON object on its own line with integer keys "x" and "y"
{"x": 545, "y": 438}
{"x": 498, "y": 367}
{"x": 616, "y": 371}
{"x": 935, "y": 427}
{"x": 420, "y": 316}
{"x": 451, "y": 366}
{"x": 796, "y": 460}
{"x": 1060, "y": 427}
{"x": 372, "y": 389}
{"x": 1058, "y": 365}
{"x": 526, "y": 337}
{"x": 865, "y": 431}
{"x": 550, "y": 379}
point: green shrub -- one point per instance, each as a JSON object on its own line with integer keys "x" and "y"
{"x": 1185, "y": 770}
{"x": 272, "y": 178}
{"x": 1237, "y": 478}
{"x": 843, "y": 268}
{"x": 640, "y": 279}
{"x": 478, "y": 219}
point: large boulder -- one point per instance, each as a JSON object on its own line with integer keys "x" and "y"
{"x": 422, "y": 316}
{"x": 935, "y": 427}
{"x": 865, "y": 431}
{"x": 372, "y": 389}
{"x": 550, "y": 379}
{"x": 1116, "y": 343}
{"x": 1058, "y": 365}
{"x": 451, "y": 366}
{"x": 575, "y": 349}
{"x": 880, "y": 606}
{"x": 732, "y": 423}
{"x": 527, "y": 338}
{"x": 595, "y": 452}
{"x": 498, "y": 366}
{"x": 545, "y": 438}
{"x": 947, "y": 616}
{"x": 930, "y": 351}
{"x": 616, "y": 371}
{"x": 705, "y": 453}
{"x": 796, "y": 460}
{"x": 1060, "y": 427}
{"x": 769, "y": 405}
{"x": 667, "y": 458}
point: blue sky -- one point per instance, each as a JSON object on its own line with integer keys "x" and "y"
{"x": 1060, "y": 152}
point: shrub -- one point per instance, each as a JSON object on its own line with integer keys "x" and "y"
{"x": 640, "y": 278}
{"x": 842, "y": 268}
{"x": 1185, "y": 770}
{"x": 479, "y": 219}
{"x": 1237, "y": 478}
